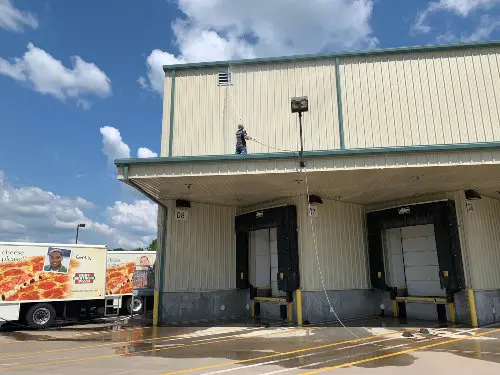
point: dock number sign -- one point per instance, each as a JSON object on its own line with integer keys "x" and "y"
{"x": 181, "y": 214}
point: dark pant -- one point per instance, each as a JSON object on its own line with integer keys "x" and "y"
{"x": 240, "y": 149}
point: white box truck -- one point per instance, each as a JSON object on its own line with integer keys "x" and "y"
{"x": 40, "y": 283}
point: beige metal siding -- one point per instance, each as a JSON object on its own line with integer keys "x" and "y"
{"x": 420, "y": 98}
{"x": 165, "y": 133}
{"x": 340, "y": 239}
{"x": 482, "y": 223}
{"x": 207, "y": 115}
{"x": 202, "y": 250}
{"x": 199, "y": 106}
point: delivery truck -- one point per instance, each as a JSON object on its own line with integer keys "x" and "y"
{"x": 41, "y": 283}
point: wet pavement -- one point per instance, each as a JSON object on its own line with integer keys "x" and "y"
{"x": 239, "y": 347}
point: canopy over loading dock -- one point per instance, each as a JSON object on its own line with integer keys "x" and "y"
{"x": 362, "y": 181}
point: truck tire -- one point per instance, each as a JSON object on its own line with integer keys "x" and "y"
{"x": 136, "y": 304}
{"x": 40, "y": 316}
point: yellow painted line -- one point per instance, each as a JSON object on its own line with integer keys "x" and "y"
{"x": 348, "y": 364}
{"x": 209, "y": 367}
{"x": 183, "y": 335}
{"x": 49, "y": 363}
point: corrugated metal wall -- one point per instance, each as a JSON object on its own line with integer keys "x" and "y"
{"x": 340, "y": 236}
{"x": 482, "y": 223}
{"x": 414, "y": 98}
{"x": 199, "y": 118}
{"x": 260, "y": 98}
{"x": 421, "y": 98}
{"x": 165, "y": 132}
{"x": 201, "y": 255}
{"x": 207, "y": 115}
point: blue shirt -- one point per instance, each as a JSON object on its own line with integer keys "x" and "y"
{"x": 240, "y": 137}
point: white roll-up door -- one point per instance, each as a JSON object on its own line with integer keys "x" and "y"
{"x": 421, "y": 261}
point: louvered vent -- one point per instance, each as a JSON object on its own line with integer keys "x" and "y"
{"x": 224, "y": 78}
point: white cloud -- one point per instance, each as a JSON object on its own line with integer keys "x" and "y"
{"x": 114, "y": 147}
{"x": 36, "y": 215}
{"x": 49, "y": 76}
{"x": 13, "y": 19}
{"x": 230, "y": 29}
{"x": 136, "y": 221}
{"x": 144, "y": 152}
{"x": 462, "y": 8}
{"x": 487, "y": 26}
{"x": 112, "y": 144}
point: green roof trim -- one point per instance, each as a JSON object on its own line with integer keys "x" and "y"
{"x": 310, "y": 154}
{"x": 381, "y": 51}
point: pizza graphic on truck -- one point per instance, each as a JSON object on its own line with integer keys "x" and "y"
{"x": 128, "y": 270}
{"x": 34, "y": 273}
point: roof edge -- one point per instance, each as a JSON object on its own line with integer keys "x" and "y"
{"x": 380, "y": 51}
{"x": 311, "y": 154}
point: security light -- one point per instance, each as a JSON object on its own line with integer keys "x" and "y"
{"x": 300, "y": 104}
{"x": 472, "y": 195}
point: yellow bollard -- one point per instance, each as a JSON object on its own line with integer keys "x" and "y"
{"x": 290, "y": 312}
{"x": 156, "y": 307}
{"x": 395, "y": 309}
{"x": 298, "y": 299}
{"x": 472, "y": 308}
{"x": 451, "y": 307}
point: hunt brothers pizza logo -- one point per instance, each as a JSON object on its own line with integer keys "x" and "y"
{"x": 84, "y": 278}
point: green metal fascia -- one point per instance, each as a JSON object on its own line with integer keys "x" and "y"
{"x": 172, "y": 107}
{"x": 319, "y": 56}
{"x": 339, "y": 103}
{"x": 312, "y": 154}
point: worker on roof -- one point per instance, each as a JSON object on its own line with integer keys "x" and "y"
{"x": 241, "y": 140}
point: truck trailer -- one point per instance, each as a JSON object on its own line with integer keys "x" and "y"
{"x": 42, "y": 282}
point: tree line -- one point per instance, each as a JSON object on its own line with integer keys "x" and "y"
{"x": 150, "y": 247}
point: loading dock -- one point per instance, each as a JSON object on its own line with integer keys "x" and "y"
{"x": 267, "y": 257}
{"x": 415, "y": 256}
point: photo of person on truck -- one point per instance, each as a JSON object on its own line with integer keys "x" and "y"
{"x": 55, "y": 259}
{"x": 144, "y": 261}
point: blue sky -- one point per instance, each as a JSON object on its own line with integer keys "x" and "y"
{"x": 61, "y": 123}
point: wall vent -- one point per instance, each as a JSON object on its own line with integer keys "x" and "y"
{"x": 224, "y": 78}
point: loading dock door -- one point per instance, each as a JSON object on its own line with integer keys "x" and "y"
{"x": 421, "y": 261}
{"x": 263, "y": 261}
{"x": 411, "y": 260}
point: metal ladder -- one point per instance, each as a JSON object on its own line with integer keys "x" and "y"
{"x": 111, "y": 307}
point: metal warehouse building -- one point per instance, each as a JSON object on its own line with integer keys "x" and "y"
{"x": 398, "y": 204}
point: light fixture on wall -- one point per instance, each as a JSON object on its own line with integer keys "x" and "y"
{"x": 472, "y": 195}
{"x": 181, "y": 203}
{"x": 314, "y": 199}
{"x": 300, "y": 104}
